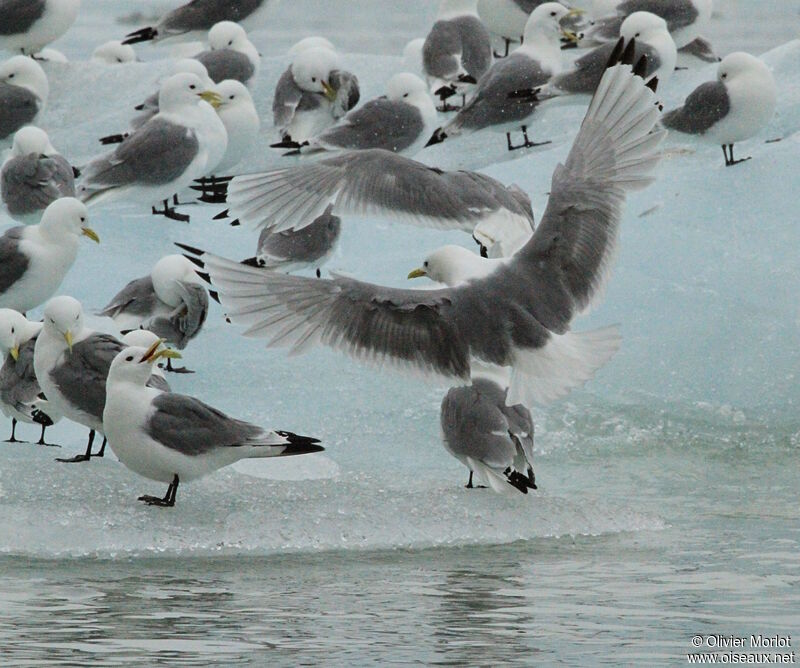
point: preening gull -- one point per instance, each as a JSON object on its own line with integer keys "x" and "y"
{"x": 71, "y": 363}
{"x": 652, "y": 39}
{"x": 23, "y": 93}
{"x": 183, "y": 142}
{"x": 685, "y": 19}
{"x": 457, "y": 50}
{"x": 34, "y": 175}
{"x": 492, "y": 439}
{"x": 375, "y": 182}
{"x": 518, "y": 316}
{"x": 29, "y": 25}
{"x": 34, "y": 259}
{"x": 230, "y": 54}
{"x": 735, "y": 107}
{"x": 506, "y": 96}
{"x": 20, "y": 395}
{"x": 191, "y": 21}
{"x": 402, "y": 121}
{"x": 312, "y": 93}
{"x": 114, "y": 52}
{"x": 171, "y": 301}
{"x": 174, "y": 438}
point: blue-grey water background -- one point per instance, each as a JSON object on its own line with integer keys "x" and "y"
{"x": 662, "y": 515}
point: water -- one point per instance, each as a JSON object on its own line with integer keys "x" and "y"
{"x": 668, "y": 487}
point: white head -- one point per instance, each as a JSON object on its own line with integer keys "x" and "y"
{"x": 134, "y": 364}
{"x": 51, "y": 56}
{"x": 63, "y": 319}
{"x": 545, "y": 22}
{"x": 311, "y": 70}
{"x": 449, "y": 8}
{"x": 184, "y": 89}
{"x": 234, "y": 94}
{"x": 31, "y": 139}
{"x": 644, "y": 27}
{"x": 167, "y": 272}
{"x": 114, "y": 52}
{"x": 143, "y": 338}
{"x": 310, "y": 43}
{"x": 450, "y": 265}
{"x": 740, "y": 64}
{"x": 227, "y": 35}
{"x": 67, "y": 217}
{"x": 406, "y": 87}
{"x": 27, "y": 73}
{"x": 15, "y": 331}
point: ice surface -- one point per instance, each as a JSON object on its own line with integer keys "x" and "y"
{"x": 705, "y": 289}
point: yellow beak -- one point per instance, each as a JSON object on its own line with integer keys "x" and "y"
{"x": 575, "y": 12}
{"x": 68, "y": 339}
{"x": 330, "y": 93}
{"x": 213, "y": 98}
{"x": 167, "y": 352}
{"x": 571, "y": 36}
{"x": 14, "y": 352}
{"x": 88, "y": 232}
{"x": 418, "y": 273}
{"x": 153, "y": 353}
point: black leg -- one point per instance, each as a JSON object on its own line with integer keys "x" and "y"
{"x": 80, "y": 458}
{"x": 319, "y": 273}
{"x": 508, "y": 46}
{"x": 173, "y": 369}
{"x": 469, "y": 482}
{"x": 725, "y": 153}
{"x": 527, "y": 143}
{"x": 41, "y": 440}
{"x": 12, "y": 439}
{"x": 169, "y": 498}
{"x": 169, "y": 212}
{"x": 102, "y": 448}
{"x": 735, "y": 162}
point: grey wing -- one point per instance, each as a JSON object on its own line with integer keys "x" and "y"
{"x": 81, "y": 375}
{"x": 287, "y": 97}
{"x": 306, "y": 245}
{"x": 203, "y": 14}
{"x": 677, "y": 13}
{"x": 31, "y": 182}
{"x": 700, "y": 48}
{"x": 189, "y": 426}
{"x": 347, "y": 90}
{"x": 705, "y": 106}
{"x": 13, "y": 262}
{"x": 137, "y": 298}
{"x": 494, "y": 101}
{"x": 476, "y": 45}
{"x": 19, "y": 15}
{"x": 586, "y": 72}
{"x": 186, "y": 321}
{"x": 157, "y": 153}
{"x": 225, "y": 64}
{"x": 381, "y": 123}
{"x": 158, "y": 383}
{"x": 18, "y": 385}
{"x": 528, "y": 6}
{"x": 369, "y": 182}
{"x": 441, "y": 51}
{"x": 18, "y": 107}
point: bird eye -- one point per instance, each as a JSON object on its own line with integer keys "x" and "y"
{"x": 425, "y": 264}
{"x": 724, "y": 75}
{"x": 129, "y": 358}
{"x": 552, "y": 13}
{"x": 52, "y": 321}
{"x": 119, "y": 60}
{"x": 637, "y": 34}
{"x": 231, "y": 97}
{"x": 83, "y": 219}
{"x": 314, "y": 79}
{"x": 230, "y": 43}
{"x": 192, "y": 87}
{"x": 12, "y": 330}
{"x": 11, "y": 76}
{"x": 405, "y": 95}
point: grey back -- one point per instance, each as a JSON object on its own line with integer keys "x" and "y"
{"x": 17, "y": 16}
{"x": 18, "y": 107}
{"x": 13, "y": 263}
{"x": 225, "y": 64}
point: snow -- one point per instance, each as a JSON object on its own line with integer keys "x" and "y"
{"x": 705, "y": 289}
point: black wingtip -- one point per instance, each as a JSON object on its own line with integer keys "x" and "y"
{"x": 467, "y": 78}
{"x": 629, "y": 53}
{"x": 221, "y": 215}
{"x": 640, "y": 68}
{"x": 75, "y": 172}
{"x": 112, "y": 139}
{"x": 251, "y": 262}
{"x": 190, "y": 249}
{"x": 652, "y": 84}
{"x": 437, "y": 137}
{"x": 619, "y": 47}
{"x": 285, "y": 143}
{"x": 142, "y": 35}
{"x": 299, "y": 445}
{"x": 215, "y": 296}
{"x": 444, "y": 92}
{"x": 139, "y": 107}
{"x": 518, "y": 481}
{"x": 235, "y": 223}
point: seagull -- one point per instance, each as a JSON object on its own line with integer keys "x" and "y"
{"x": 506, "y": 97}
{"x": 507, "y": 18}
{"x": 183, "y": 142}
{"x": 401, "y": 121}
{"x": 230, "y": 54}
{"x": 114, "y": 52}
{"x": 30, "y": 25}
{"x": 735, "y": 107}
{"x": 492, "y": 439}
{"x": 23, "y": 93}
{"x": 685, "y": 19}
{"x": 170, "y": 301}
{"x": 312, "y": 94}
{"x": 189, "y": 22}
{"x": 174, "y": 438}
{"x": 457, "y": 50}
{"x": 144, "y": 338}
{"x": 34, "y": 259}
{"x": 34, "y": 175}
{"x": 652, "y": 39}
{"x": 380, "y": 183}
{"x": 240, "y": 118}
{"x": 518, "y": 316}
{"x": 71, "y": 363}
{"x": 20, "y": 395}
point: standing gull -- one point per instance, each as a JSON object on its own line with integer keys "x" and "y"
{"x": 191, "y": 21}
{"x": 652, "y": 39}
{"x": 20, "y": 395}
{"x": 735, "y": 107}
{"x": 230, "y": 55}
{"x": 183, "y": 142}
{"x": 312, "y": 94}
{"x": 170, "y": 301}
{"x": 457, "y": 50}
{"x": 71, "y": 363}
{"x": 506, "y": 96}
{"x": 23, "y": 93}
{"x": 29, "y": 25}
{"x": 35, "y": 259}
{"x": 518, "y": 316}
{"x": 402, "y": 121}
{"x": 492, "y": 439}
{"x": 174, "y": 438}
{"x": 379, "y": 183}
{"x": 34, "y": 175}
